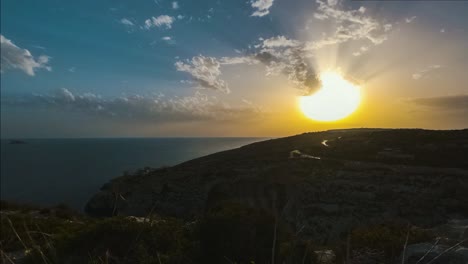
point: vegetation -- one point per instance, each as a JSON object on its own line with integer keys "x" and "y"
{"x": 228, "y": 234}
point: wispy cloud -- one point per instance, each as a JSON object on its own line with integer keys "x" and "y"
{"x": 205, "y": 72}
{"x": 282, "y": 55}
{"x": 262, "y": 7}
{"x": 280, "y": 42}
{"x": 14, "y": 57}
{"x": 175, "y": 5}
{"x": 126, "y": 22}
{"x": 422, "y": 73}
{"x": 160, "y": 21}
{"x": 168, "y": 40}
{"x": 443, "y": 103}
{"x": 410, "y": 19}
{"x": 156, "y": 108}
{"x": 350, "y": 25}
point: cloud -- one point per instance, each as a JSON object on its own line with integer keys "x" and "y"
{"x": 410, "y": 19}
{"x": 160, "y": 21}
{"x": 443, "y": 103}
{"x": 14, "y": 57}
{"x": 156, "y": 108}
{"x": 289, "y": 59}
{"x": 205, "y": 71}
{"x": 422, "y": 73}
{"x": 168, "y": 40}
{"x": 126, "y": 22}
{"x": 350, "y": 25}
{"x": 262, "y": 7}
{"x": 175, "y": 5}
{"x": 361, "y": 51}
{"x": 280, "y": 42}
{"x": 282, "y": 55}
{"x": 237, "y": 60}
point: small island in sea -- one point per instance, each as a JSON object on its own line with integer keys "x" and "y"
{"x": 16, "y": 142}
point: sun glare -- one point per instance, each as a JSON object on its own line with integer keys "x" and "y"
{"x": 335, "y": 100}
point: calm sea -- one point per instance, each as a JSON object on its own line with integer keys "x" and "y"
{"x": 70, "y": 171}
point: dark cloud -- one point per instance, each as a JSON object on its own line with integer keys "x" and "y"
{"x": 265, "y": 57}
{"x": 448, "y": 103}
{"x": 290, "y": 61}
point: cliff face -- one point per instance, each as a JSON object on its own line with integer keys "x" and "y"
{"x": 321, "y": 183}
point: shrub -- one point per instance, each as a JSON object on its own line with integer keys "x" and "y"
{"x": 385, "y": 241}
{"x": 236, "y": 233}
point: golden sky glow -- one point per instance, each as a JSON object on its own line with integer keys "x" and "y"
{"x": 382, "y": 64}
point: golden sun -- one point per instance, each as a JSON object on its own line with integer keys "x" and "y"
{"x": 335, "y": 100}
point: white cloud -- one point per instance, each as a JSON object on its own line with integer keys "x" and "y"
{"x": 292, "y": 58}
{"x": 205, "y": 71}
{"x": 422, "y": 73}
{"x": 280, "y": 41}
{"x": 168, "y": 40}
{"x": 361, "y": 51}
{"x": 387, "y": 27}
{"x": 237, "y": 60}
{"x": 262, "y": 7}
{"x": 127, "y": 22}
{"x": 154, "y": 108}
{"x": 175, "y": 5}
{"x": 280, "y": 55}
{"x": 160, "y": 21}
{"x": 350, "y": 25}
{"x": 410, "y": 19}
{"x": 416, "y": 76}
{"x": 442, "y": 30}
{"x": 66, "y": 95}
{"x": 72, "y": 69}
{"x": 14, "y": 57}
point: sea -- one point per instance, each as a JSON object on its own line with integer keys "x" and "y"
{"x": 49, "y": 172}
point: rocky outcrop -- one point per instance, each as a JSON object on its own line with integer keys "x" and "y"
{"x": 346, "y": 184}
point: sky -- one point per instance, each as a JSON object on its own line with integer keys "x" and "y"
{"x": 212, "y": 68}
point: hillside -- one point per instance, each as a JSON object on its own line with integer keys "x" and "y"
{"x": 321, "y": 183}
{"x": 360, "y": 196}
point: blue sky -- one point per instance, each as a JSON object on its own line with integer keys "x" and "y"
{"x": 195, "y": 68}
